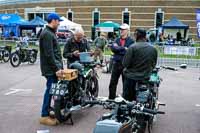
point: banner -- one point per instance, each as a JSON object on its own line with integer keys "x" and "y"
{"x": 198, "y": 22}
{"x": 105, "y": 29}
{"x": 180, "y": 50}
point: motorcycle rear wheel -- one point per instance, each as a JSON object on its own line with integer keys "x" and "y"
{"x": 33, "y": 57}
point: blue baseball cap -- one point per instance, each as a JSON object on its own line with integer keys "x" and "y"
{"x": 54, "y": 16}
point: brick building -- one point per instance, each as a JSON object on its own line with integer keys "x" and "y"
{"x": 138, "y": 13}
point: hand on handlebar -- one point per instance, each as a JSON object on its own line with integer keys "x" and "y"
{"x": 60, "y": 73}
{"x": 76, "y": 53}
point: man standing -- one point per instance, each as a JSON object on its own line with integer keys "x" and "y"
{"x": 119, "y": 50}
{"x": 100, "y": 43}
{"x": 139, "y": 61}
{"x": 75, "y": 45}
{"x": 50, "y": 63}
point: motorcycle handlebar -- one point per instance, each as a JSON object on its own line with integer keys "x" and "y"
{"x": 92, "y": 102}
{"x": 129, "y": 106}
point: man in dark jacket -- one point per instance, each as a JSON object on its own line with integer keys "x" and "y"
{"x": 50, "y": 63}
{"x": 119, "y": 50}
{"x": 75, "y": 45}
{"x": 139, "y": 61}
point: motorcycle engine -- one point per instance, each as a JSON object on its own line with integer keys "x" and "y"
{"x": 142, "y": 94}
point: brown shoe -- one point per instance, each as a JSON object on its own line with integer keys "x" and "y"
{"x": 48, "y": 121}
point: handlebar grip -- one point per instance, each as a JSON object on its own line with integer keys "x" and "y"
{"x": 110, "y": 100}
{"x": 150, "y": 111}
{"x": 160, "y": 112}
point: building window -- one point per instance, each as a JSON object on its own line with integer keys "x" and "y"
{"x": 95, "y": 17}
{"x": 159, "y": 18}
{"x": 31, "y": 13}
{"x": 46, "y": 16}
{"x": 70, "y": 15}
{"x": 126, "y": 16}
{"x": 31, "y": 16}
{"x": 39, "y": 15}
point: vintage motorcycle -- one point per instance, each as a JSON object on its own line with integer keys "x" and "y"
{"x": 147, "y": 92}
{"x": 5, "y": 53}
{"x": 69, "y": 95}
{"x": 23, "y": 54}
{"x": 122, "y": 118}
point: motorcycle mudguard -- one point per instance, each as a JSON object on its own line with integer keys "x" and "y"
{"x": 107, "y": 126}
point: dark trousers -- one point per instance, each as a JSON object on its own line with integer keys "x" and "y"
{"x": 47, "y": 97}
{"x": 129, "y": 89}
{"x": 117, "y": 70}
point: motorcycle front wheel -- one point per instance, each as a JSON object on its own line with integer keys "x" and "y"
{"x": 6, "y": 56}
{"x": 15, "y": 59}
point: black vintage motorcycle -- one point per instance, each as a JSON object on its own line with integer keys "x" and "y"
{"x": 147, "y": 92}
{"x": 23, "y": 54}
{"x": 69, "y": 96}
{"x": 5, "y": 53}
{"x": 122, "y": 118}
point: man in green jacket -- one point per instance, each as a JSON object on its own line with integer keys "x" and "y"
{"x": 100, "y": 43}
{"x": 139, "y": 61}
{"x": 50, "y": 63}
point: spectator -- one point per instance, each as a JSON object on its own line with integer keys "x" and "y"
{"x": 119, "y": 50}
{"x": 50, "y": 63}
{"x": 100, "y": 43}
{"x": 139, "y": 61}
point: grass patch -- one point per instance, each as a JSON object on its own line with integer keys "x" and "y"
{"x": 196, "y": 45}
{"x": 109, "y": 52}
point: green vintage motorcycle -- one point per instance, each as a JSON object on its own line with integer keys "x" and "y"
{"x": 69, "y": 96}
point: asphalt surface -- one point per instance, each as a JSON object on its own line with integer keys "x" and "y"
{"x": 22, "y": 88}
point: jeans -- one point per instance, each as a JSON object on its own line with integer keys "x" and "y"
{"x": 47, "y": 97}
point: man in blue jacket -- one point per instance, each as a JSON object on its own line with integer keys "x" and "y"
{"x": 119, "y": 49}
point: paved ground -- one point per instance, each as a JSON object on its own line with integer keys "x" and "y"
{"x": 21, "y": 92}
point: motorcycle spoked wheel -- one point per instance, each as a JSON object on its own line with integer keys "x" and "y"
{"x": 143, "y": 124}
{"x": 94, "y": 87}
{"x": 33, "y": 57}
{"x": 15, "y": 60}
{"x": 150, "y": 122}
{"x": 6, "y": 56}
{"x": 92, "y": 90}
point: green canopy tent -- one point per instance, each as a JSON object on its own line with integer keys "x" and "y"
{"x": 108, "y": 26}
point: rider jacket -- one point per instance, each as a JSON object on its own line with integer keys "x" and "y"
{"x": 120, "y": 51}
{"x": 50, "y": 53}
{"x": 139, "y": 61}
{"x": 72, "y": 46}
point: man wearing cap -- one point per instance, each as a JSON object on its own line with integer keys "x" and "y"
{"x": 100, "y": 43}
{"x": 119, "y": 48}
{"x": 75, "y": 45}
{"x": 50, "y": 63}
{"x": 139, "y": 61}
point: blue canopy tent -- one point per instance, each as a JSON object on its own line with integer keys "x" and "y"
{"x": 39, "y": 22}
{"x": 176, "y": 24}
{"x": 13, "y": 24}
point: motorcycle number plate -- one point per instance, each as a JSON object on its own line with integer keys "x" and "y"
{"x": 58, "y": 89}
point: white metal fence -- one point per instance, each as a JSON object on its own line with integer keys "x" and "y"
{"x": 168, "y": 55}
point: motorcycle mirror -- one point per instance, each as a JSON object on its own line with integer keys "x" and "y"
{"x": 102, "y": 99}
{"x": 119, "y": 99}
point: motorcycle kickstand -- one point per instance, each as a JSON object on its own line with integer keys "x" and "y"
{"x": 69, "y": 117}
